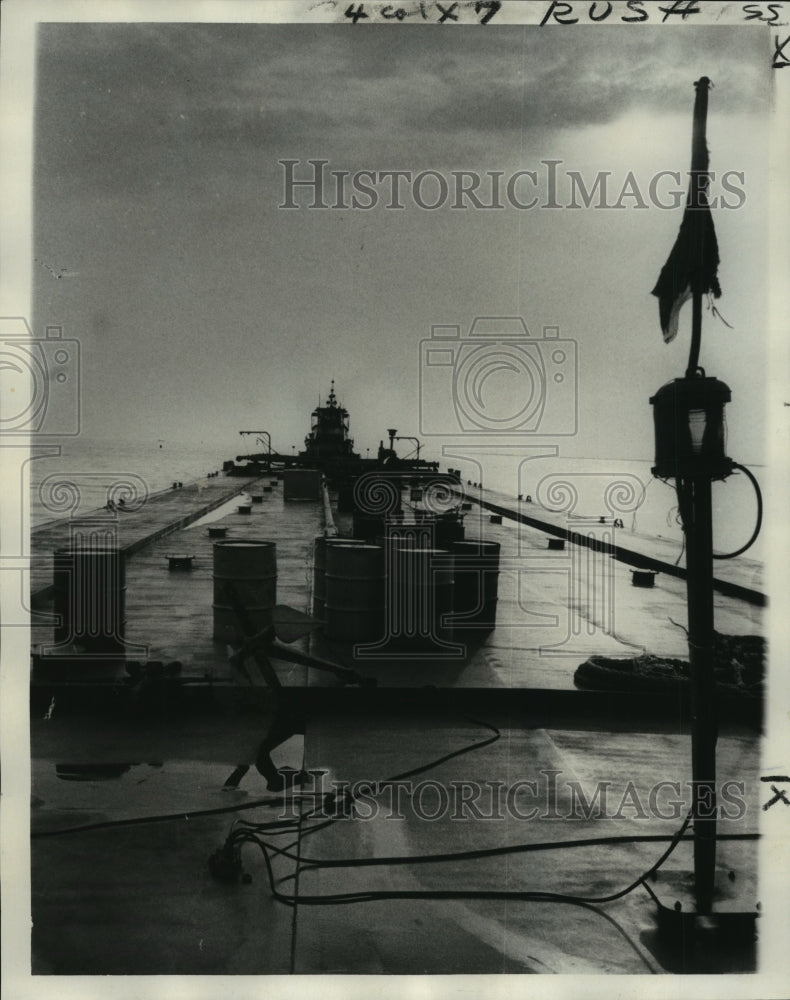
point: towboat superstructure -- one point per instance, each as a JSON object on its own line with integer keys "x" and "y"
{"x": 328, "y": 448}
{"x": 328, "y": 440}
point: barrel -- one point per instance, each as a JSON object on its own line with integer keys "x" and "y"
{"x": 301, "y": 484}
{"x": 419, "y": 600}
{"x": 354, "y": 608}
{"x": 476, "y": 585}
{"x": 89, "y": 586}
{"x": 319, "y": 569}
{"x": 250, "y": 566}
{"x": 448, "y": 530}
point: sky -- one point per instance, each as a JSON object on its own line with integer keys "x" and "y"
{"x": 203, "y": 308}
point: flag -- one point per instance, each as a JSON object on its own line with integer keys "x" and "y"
{"x": 693, "y": 263}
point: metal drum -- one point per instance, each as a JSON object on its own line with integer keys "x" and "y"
{"x": 319, "y": 569}
{"x": 354, "y": 607}
{"x": 420, "y": 583}
{"x": 448, "y": 530}
{"x": 90, "y": 598}
{"x": 250, "y": 565}
{"x": 476, "y": 586}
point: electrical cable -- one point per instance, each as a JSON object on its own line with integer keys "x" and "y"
{"x": 371, "y": 895}
{"x": 454, "y": 753}
{"x": 296, "y": 826}
{"x": 684, "y": 505}
{"x": 759, "y": 522}
{"x": 412, "y": 772}
{"x": 529, "y": 896}
{"x": 273, "y": 826}
{"x": 166, "y": 817}
{"x": 249, "y": 832}
{"x": 650, "y": 893}
{"x": 678, "y": 518}
{"x": 309, "y": 864}
{"x": 623, "y": 933}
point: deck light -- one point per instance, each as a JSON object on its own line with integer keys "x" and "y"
{"x": 690, "y": 429}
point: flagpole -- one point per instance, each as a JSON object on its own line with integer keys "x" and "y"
{"x": 689, "y": 427}
{"x": 698, "y": 201}
{"x": 696, "y": 332}
{"x": 691, "y": 268}
{"x": 698, "y": 524}
{"x": 696, "y": 494}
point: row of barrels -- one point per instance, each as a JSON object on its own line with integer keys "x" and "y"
{"x": 394, "y": 589}
{"x": 398, "y": 590}
{"x": 89, "y": 585}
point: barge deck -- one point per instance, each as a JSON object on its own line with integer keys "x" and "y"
{"x": 150, "y": 789}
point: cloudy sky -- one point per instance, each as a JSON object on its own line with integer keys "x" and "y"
{"x": 202, "y": 307}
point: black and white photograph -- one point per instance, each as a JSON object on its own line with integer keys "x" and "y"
{"x": 394, "y": 411}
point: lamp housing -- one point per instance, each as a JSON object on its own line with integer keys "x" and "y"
{"x": 690, "y": 429}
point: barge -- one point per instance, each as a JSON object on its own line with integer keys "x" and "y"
{"x": 371, "y": 753}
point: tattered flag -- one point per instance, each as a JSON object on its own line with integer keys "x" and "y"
{"x": 693, "y": 263}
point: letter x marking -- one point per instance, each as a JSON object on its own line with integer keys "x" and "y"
{"x": 447, "y": 12}
{"x": 778, "y": 794}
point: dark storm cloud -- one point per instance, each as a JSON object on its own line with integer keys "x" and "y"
{"x": 579, "y": 79}
{"x": 130, "y": 107}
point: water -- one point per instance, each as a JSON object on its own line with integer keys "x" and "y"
{"x": 89, "y": 472}
{"x": 625, "y": 489}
